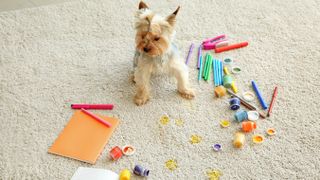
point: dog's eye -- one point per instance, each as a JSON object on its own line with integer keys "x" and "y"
{"x": 156, "y": 38}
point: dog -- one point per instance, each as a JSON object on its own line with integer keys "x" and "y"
{"x": 156, "y": 53}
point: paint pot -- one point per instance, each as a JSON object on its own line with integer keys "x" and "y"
{"x": 234, "y": 103}
{"x": 216, "y": 147}
{"x": 241, "y": 115}
{"x": 271, "y": 131}
{"x": 140, "y": 171}
{"x": 116, "y": 153}
{"x": 239, "y": 139}
{"x": 235, "y": 70}
{"x": 248, "y": 96}
{"x": 257, "y": 138}
{"x": 227, "y": 81}
{"x": 220, "y": 91}
{"x": 128, "y": 150}
{"x": 249, "y": 126}
{"x": 253, "y": 115}
{"x": 225, "y": 123}
{"x": 125, "y": 175}
{"x": 227, "y": 61}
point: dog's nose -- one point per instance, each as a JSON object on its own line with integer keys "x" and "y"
{"x": 146, "y": 49}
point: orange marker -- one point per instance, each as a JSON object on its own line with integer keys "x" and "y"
{"x": 249, "y": 126}
{"x": 230, "y": 47}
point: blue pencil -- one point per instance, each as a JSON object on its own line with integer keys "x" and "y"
{"x": 200, "y": 68}
{"x": 258, "y": 93}
{"x": 221, "y": 71}
{"x": 218, "y": 72}
{"x": 214, "y": 78}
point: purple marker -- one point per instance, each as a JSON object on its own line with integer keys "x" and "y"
{"x": 199, "y": 56}
{"x": 190, "y": 52}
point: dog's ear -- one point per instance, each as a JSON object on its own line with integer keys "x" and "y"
{"x": 172, "y": 18}
{"x": 143, "y": 5}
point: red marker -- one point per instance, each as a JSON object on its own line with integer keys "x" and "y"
{"x": 275, "y": 93}
{"x": 92, "y": 106}
{"x": 96, "y": 118}
{"x": 230, "y": 47}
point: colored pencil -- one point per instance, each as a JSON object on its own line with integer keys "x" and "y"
{"x": 92, "y": 106}
{"x": 199, "y": 55}
{"x": 221, "y": 72}
{"x": 200, "y": 69}
{"x": 190, "y": 52}
{"x": 275, "y": 93}
{"x": 96, "y": 118}
{"x": 259, "y": 95}
{"x": 209, "y": 67}
{"x": 205, "y": 67}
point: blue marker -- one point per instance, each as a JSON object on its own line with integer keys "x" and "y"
{"x": 258, "y": 93}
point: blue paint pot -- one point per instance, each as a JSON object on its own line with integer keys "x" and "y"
{"x": 234, "y": 103}
{"x": 241, "y": 115}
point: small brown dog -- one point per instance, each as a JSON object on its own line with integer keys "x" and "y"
{"x": 155, "y": 52}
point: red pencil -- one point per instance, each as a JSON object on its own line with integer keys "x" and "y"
{"x": 275, "y": 93}
{"x": 96, "y": 118}
{"x": 230, "y": 47}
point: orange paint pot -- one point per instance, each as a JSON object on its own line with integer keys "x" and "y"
{"x": 249, "y": 126}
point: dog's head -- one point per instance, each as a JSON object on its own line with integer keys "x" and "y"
{"x": 154, "y": 33}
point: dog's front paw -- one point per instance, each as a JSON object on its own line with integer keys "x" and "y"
{"x": 187, "y": 93}
{"x": 141, "y": 100}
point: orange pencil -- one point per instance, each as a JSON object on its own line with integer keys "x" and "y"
{"x": 230, "y": 47}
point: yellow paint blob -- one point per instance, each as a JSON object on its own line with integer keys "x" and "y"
{"x": 225, "y": 123}
{"x": 214, "y": 174}
{"x": 271, "y": 131}
{"x": 257, "y": 138}
{"x": 172, "y": 164}
{"x": 194, "y": 139}
{"x": 179, "y": 122}
{"x": 164, "y": 120}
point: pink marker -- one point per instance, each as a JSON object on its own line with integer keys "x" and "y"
{"x": 96, "y": 117}
{"x": 92, "y": 106}
{"x": 218, "y": 43}
{"x": 214, "y": 39}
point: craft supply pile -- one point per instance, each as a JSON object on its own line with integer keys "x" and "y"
{"x": 86, "y": 134}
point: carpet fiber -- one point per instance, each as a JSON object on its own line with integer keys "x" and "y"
{"x": 82, "y": 52}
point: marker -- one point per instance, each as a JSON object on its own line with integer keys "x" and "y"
{"x": 275, "y": 93}
{"x": 199, "y": 56}
{"x": 230, "y": 47}
{"x": 190, "y": 52}
{"x": 214, "y": 39}
{"x": 96, "y": 117}
{"x": 92, "y": 106}
{"x": 259, "y": 95}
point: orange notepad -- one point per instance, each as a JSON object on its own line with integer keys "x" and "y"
{"x": 83, "y": 138}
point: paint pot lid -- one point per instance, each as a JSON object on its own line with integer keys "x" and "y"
{"x": 236, "y": 70}
{"x": 128, "y": 150}
{"x": 271, "y": 131}
{"x": 225, "y": 123}
{"x": 257, "y": 138}
{"x": 216, "y": 147}
{"x": 227, "y": 61}
{"x": 253, "y": 115}
{"x": 248, "y": 96}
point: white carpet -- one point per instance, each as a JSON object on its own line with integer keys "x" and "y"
{"x": 81, "y": 52}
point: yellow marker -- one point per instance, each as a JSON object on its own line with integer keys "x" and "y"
{"x": 239, "y": 139}
{"x": 257, "y": 138}
{"x": 195, "y": 139}
{"x": 214, "y": 174}
{"x": 125, "y": 175}
{"x": 164, "y": 120}
{"x": 171, "y": 164}
{"x": 234, "y": 87}
{"x": 179, "y": 122}
{"x": 225, "y": 123}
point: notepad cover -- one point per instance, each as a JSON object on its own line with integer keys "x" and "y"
{"x": 83, "y": 138}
